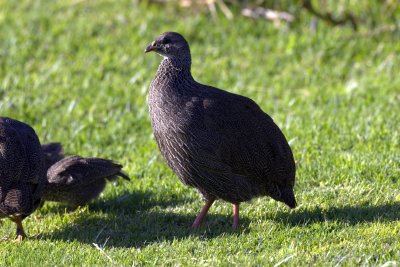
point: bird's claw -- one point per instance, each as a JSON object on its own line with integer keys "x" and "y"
{"x": 20, "y": 237}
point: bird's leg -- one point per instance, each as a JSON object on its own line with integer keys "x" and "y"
{"x": 199, "y": 219}
{"x": 236, "y": 216}
{"x": 20, "y": 229}
{"x": 2, "y": 216}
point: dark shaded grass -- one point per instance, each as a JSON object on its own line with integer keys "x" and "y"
{"x": 348, "y": 215}
{"x": 136, "y": 220}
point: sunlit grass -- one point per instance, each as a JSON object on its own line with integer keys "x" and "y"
{"x": 76, "y": 72}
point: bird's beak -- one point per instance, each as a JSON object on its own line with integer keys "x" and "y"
{"x": 151, "y": 47}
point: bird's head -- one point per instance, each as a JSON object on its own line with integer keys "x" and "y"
{"x": 171, "y": 45}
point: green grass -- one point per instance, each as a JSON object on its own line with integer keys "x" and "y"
{"x": 76, "y": 72}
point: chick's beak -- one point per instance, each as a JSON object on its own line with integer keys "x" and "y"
{"x": 151, "y": 47}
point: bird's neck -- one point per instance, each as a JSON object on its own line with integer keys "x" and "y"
{"x": 175, "y": 68}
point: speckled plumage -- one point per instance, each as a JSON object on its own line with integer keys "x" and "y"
{"x": 75, "y": 180}
{"x": 22, "y": 171}
{"x": 23, "y": 165}
{"x": 221, "y": 143}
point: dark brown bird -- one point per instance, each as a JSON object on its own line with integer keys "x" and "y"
{"x": 23, "y": 166}
{"x": 53, "y": 152}
{"x": 22, "y": 172}
{"x": 221, "y": 143}
{"x": 75, "y": 180}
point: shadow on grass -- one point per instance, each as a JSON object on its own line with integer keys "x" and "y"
{"x": 136, "y": 220}
{"x": 351, "y": 215}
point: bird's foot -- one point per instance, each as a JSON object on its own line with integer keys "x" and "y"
{"x": 196, "y": 224}
{"x": 71, "y": 209}
{"x": 20, "y": 237}
{"x": 20, "y": 229}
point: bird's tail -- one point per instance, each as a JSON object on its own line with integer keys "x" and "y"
{"x": 53, "y": 152}
{"x": 288, "y": 197}
{"x": 109, "y": 169}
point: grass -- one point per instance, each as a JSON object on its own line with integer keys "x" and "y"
{"x": 76, "y": 72}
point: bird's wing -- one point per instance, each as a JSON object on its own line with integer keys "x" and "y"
{"x": 18, "y": 199}
{"x": 21, "y": 156}
{"x": 12, "y": 156}
{"x": 209, "y": 163}
{"x": 246, "y": 139}
{"x": 35, "y": 157}
{"x": 21, "y": 167}
{"x": 79, "y": 171}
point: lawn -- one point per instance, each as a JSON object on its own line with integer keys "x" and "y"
{"x": 76, "y": 72}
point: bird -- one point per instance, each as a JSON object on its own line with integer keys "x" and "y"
{"x": 75, "y": 180}
{"x": 31, "y": 173}
{"x": 53, "y": 152}
{"x": 221, "y": 143}
{"x": 22, "y": 172}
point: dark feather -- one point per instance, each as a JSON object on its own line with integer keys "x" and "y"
{"x": 53, "y": 152}
{"x": 22, "y": 170}
{"x": 76, "y": 180}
